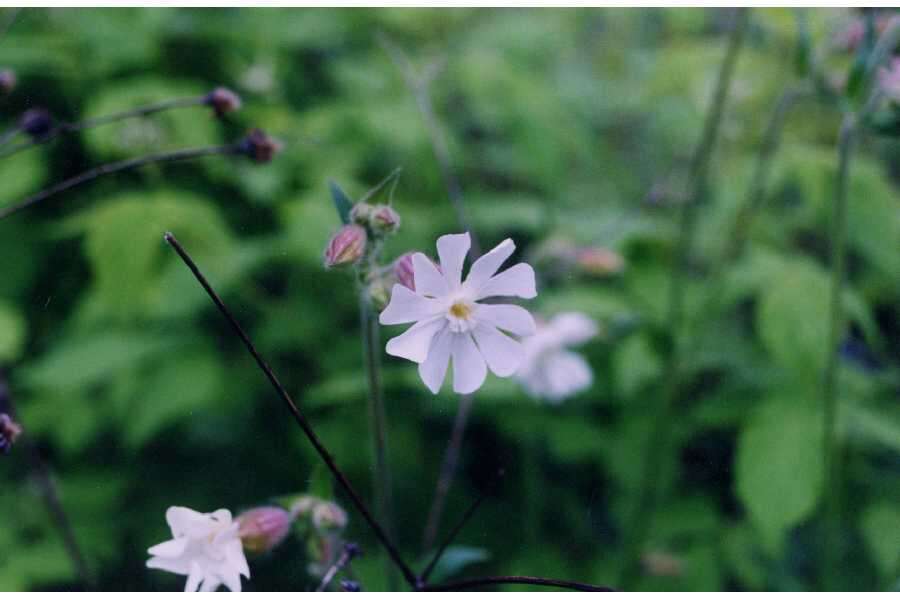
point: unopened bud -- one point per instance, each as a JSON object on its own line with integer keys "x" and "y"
{"x": 380, "y": 293}
{"x": 348, "y": 585}
{"x": 263, "y": 528}
{"x": 259, "y": 146}
{"x": 599, "y": 261}
{"x": 303, "y": 505}
{"x": 346, "y": 247}
{"x": 384, "y": 219}
{"x": 36, "y": 122}
{"x": 9, "y": 432}
{"x": 404, "y": 272}
{"x": 328, "y": 516}
{"x": 7, "y": 80}
{"x": 361, "y": 213}
{"x": 223, "y": 101}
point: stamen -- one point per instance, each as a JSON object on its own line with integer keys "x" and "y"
{"x": 461, "y": 310}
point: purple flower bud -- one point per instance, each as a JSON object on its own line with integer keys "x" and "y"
{"x": 346, "y": 247}
{"x": 223, "y": 101}
{"x": 328, "y": 516}
{"x": 350, "y": 586}
{"x": 36, "y": 122}
{"x": 259, "y": 146}
{"x": 403, "y": 271}
{"x": 9, "y": 432}
{"x": 384, "y": 219}
{"x": 263, "y": 528}
{"x": 7, "y": 80}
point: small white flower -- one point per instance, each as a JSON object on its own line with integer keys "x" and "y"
{"x": 206, "y": 548}
{"x": 550, "y": 371}
{"x": 450, "y": 321}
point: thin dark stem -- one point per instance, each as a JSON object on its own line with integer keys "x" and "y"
{"x": 448, "y": 471}
{"x": 143, "y": 111}
{"x": 458, "y": 586}
{"x": 377, "y": 416}
{"x": 298, "y": 416}
{"x": 49, "y": 493}
{"x": 426, "y": 572}
{"x": 349, "y": 552}
{"x": 116, "y": 167}
{"x": 642, "y": 515}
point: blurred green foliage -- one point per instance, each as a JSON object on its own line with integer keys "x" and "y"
{"x": 559, "y": 123}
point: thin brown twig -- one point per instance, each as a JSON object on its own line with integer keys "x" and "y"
{"x": 298, "y": 416}
{"x": 426, "y": 572}
{"x": 116, "y": 167}
{"x": 458, "y": 586}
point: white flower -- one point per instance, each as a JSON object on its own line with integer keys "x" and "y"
{"x": 206, "y": 548}
{"x": 549, "y": 370}
{"x": 451, "y": 322}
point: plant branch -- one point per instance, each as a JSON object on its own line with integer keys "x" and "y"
{"x": 642, "y": 516}
{"x": 426, "y": 572}
{"x": 458, "y": 586}
{"x": 117, "y": 167}
{"x": 349, "y": 552}
{"x": 317, "y": 444}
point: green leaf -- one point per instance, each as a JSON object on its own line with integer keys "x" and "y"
{"x": 342, "y": 203}
{"x": 12, "y": 333}
{"x": 455, "y": 559}
{"x": 880, "y": 525}
{"x": 779, "y": 468}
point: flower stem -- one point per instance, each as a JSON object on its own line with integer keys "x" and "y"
{"x": 116, "y": 167}
{"x": 142, "y": 111}
{"x": 658, "y": 442}
{"x": 377, "y": 419}
{"x": 458, "y": 586}
{"x": 308, "y": 430}
{"x": 49, "y": 493}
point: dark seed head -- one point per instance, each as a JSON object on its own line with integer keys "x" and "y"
{"x": 259, "y": 146}
{"x": 36, "y": 122}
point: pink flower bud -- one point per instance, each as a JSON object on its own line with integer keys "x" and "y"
{"x": 263, "y": 528}
{"x": 346, "y": 247}
{"x": 384, "y": 219}
{"x": 223, "y": 101}
{"x": 328, "y": 516}
{"x": 403, "y": 271}
{"x": 599, "y": 261}
{"x": 9, "y": 432}
{"x": 361, "y": 213}
{"x": 7, "y": 80}
{"x": 259, "y": 146}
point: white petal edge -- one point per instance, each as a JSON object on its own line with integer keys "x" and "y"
{"x": 414, "y": 343}
{"x": 428, "y": 280}
{"x": 573, "y": 328}
{"x": 507, "y": 317}
{"x": 406, "y": 306}
{"x": 433, "y": 369}
{"x": 170, "y": 548}
{"x": 452, "y": 250}
{"x": 502, "y": 353}
{"x": 487, "y": 266}
{"x": 517, "y": 280}
{"x": 469, "y": 369}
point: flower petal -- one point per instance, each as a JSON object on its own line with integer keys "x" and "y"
{"x": 172, "y": 565}
{"x": 452, "y": 250}
{"x": 169, "y": 549}
{"x": 195, "y": 576}
{"x": 211, "y": 583}
{"x": 407, "y": 306}
{"x": 517, "y": 280}
{"x": 415, "y": 342}
{"x": 573, "y": 328}
{"x": 508, "y": 317}
{"x": 428, "y": 280}
{"x": 485, "y": 267}
{"x": 234, "y": 557}
{"x": 469, "y": 370}
{"x": 434, "y": 368}
{"x": 503, "y": 354}
{"x": 180, "y": 519}
{"x": 232, "y": 580}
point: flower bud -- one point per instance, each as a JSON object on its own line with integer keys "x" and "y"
{"x": 404, "y": 272}
{"x": 7, "y": 80}
{"x": 223, "y": 101}
{"x": 36, "y": 122}
{"x": 263, "y": 528}
{"x": 9, "y": 432}
{"x": 599, "y": 261}
{"x": 361, "y": 213}
{"x": 346, "y": 247}
{"x": 303, "y": 505}
{"x": 259, "y": 146}
{"x": 380, "y": 293}
{"x": 348, "y": 585}
{"x": 384, "y": 219}
{"x": 328, "y": 517}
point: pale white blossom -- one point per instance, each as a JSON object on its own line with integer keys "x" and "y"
{"x": 551, "y": 371}
{"x": 451, "y": 321}
{"x": 205, "y": 547}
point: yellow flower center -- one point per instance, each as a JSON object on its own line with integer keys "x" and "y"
{"x": 461, "y": 310}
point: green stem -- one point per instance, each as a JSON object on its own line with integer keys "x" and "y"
{"x": 658, "y": 442}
